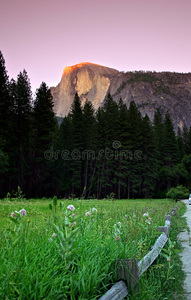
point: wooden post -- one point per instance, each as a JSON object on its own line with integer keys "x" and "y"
{"x": 164, "y": 229}
{"x": 168, "y": 217}
{"x": 127, "y": 269}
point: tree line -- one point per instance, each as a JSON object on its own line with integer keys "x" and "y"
{"x": 114, "y": 150}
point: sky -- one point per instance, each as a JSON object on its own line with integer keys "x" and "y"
{"x": 45, "y": 36}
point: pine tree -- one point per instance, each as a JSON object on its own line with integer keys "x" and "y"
{"x": 89, "y": 147}
{"x": 170, "y": 151}
{"x": 185, "y": 139}
{"x": 180, "y": 145}
{"x": 158, "y": 128}
{"x": 65, "y": 147}
{"x": 44, "y": 126}
{"x": 5, "y": 127}
{"x": 78, "y": 145}
{"x": 179, "y": 170}
{"x": 122, "y": 166}
{"x": 21, "y": 95}
{"x": 133, "y": 145}
{"x": 43, "y": 119}
{"x": 5, "y": 104}
{"x": 111, "y": 127}
{"x": 189, "y": 142}
{"x": 100, "y": 157}
{"x": 149, "y": 172}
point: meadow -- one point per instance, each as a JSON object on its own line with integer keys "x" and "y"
{"x": 68, "y": 249}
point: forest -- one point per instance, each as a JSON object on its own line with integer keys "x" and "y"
{"x": 114, "y": 151}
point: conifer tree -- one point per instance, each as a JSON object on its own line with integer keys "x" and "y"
{"x": 21, "y": 95}
{"x": 4, "y": 102}
{"x": 65, "y": 147}
{"x": 111, "y": 128}
{"x": 43, "y": 119}
{"x": 123, "y": 156}
{"x": 158, "y": 127}
{"x": 78, "y": 145}
{"x": 89, "y": 147}
{"x": 149, "y": 172}
{"x": 189, "y": 142}
{"x": 134, "y": 142}
{"x": 100, "y": 158}
{"x": 180, "y": 145}
{"x": 170, "y": 151}
{"x": 5, "y": 124}
{"x": 179, "y": 170}
{"x": 185, "y": 139}
{"x": 44, "y": 126}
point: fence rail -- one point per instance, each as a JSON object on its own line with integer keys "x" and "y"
{"x": 130, "y": 270}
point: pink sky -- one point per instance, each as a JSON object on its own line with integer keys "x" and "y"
{"x": 45, "y": 36}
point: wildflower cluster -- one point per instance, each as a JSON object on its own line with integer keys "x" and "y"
{"x": 67, "y": 232}
{"x": 148, "y": 219}
{"x": 16, "y": 235}
{"x": 91, "y": 213}
{"x": 70, "y": 207}
{"x": 17, "y": 215}
{"x": 117, "y": 231}
{"x": 69, "y": 217}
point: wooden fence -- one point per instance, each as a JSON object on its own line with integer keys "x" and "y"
{"x": 129, "y": 271}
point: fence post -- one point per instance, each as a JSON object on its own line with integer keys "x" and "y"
{"x": 164, "y": 229}
{"x": 127, "y": 269}
{"x": 168, "y": 218}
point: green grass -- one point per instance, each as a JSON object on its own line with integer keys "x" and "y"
{"x": 81, "y": 266}
{"x": 154, "y": 283}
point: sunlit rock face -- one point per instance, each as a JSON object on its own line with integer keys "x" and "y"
{"x": 150, "y": 90}
{"x": 90, "y": 81}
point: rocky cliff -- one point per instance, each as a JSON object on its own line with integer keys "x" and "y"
{"x": 150, "y": 90}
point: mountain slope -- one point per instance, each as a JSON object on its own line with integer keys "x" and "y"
{"x": 150, "y": 90}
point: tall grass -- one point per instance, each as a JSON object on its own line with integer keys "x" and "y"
{"x": 79, "y": 261}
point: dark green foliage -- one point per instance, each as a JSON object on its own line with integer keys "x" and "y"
{"x": 133, "y": 146}
{"x": 64, "y": 146}
{"x": 6, "y": 107}
{"x": 149, "y": 172}
{"x": 90, "y": 137}
{"x": 180, "y": 145}
{"x": 21, "y": 95}
{"x": 169, "y": 152}
{"x": 121, "y": 152}
{"x": 76, "y": 165}
{"x": 122, "y": 167}
{"x": 109, "y": 121}
{"x": 43, "y": 120}
{"x": 44, "y": 129}
{"x": 170, "y": 147}
{"x": 178, "y": 192}
{"x": 5, "y": 104}
{"x": 158, "y": 127}
{"x": 185, "y": 139}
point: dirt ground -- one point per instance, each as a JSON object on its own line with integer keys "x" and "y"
{"x": 185, "y": 238}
